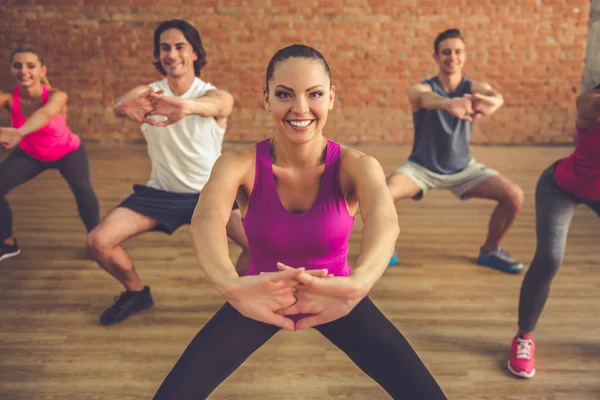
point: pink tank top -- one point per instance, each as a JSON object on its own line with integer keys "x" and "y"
{"x": 579, "y": 173}
{"x": 315, "y": 239}
{"x": 50, "y": 143}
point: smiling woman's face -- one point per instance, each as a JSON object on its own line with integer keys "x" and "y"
{"x": 299, "y": 98}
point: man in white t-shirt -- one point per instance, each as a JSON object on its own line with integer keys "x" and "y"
{"x": 183, "y": 121}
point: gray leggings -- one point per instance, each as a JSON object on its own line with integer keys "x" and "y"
{"x": 20, "y": 167}
{"x": 554, "y": 210}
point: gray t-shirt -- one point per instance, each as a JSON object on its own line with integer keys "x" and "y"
{"x": 441, "y": 141}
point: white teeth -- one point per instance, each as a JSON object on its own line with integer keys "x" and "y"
{"x": 301, "y": 124}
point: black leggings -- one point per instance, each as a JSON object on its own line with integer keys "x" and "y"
{"x": 365, "y": 335}
{"x": 553, "y": 210}
{"x": 20, "y": 167}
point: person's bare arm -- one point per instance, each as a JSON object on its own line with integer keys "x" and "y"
{"x": 257, "y": 297}
{"x": 380, "y": 220}
{"x": 485, "y": 99}
{"x": 215, "y": 103}
{"x": 5, "y": 99}
{"x": 212, "y": 213}
{"x": 421, "y": 96}
{"x": 135, "y": 105}
{"x": 57, "y": 102}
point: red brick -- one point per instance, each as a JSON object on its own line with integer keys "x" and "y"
{"x": 97, "y": 50}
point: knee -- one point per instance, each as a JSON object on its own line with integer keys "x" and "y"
{"x": 551, "y": 261}
{"x": 98, "y": 244}
{"x": 545, "y": 265}
{"x": 514, "y": 198}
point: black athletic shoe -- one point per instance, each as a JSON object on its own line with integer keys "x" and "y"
{"x": 7, "y": 251}
{"x": 418, "y": 196}
{"x": 127, "y": 304}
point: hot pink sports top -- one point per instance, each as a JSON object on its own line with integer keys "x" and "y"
{"x": 579, "y": 173}
{"x": 50, "y": 143}
{"x": 315, "y": 239}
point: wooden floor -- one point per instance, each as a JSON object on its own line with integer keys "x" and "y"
{"x": 460, "y": 317}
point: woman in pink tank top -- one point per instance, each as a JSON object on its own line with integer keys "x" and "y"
{"x": 298, "y": 193}
{"x": 565, "y": 184}
{"x": 39, "y": 129}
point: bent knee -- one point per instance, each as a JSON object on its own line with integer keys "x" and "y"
{"x": 514, "y": 197}
{"x": 98, "y": 243}
{"x": 547, "y": 261}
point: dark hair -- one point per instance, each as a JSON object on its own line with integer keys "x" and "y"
{"x": 295, "y": 51}
{"x": 191, "y": 35}
{"x": 33, "y": 50}
{"x": 597, "y": 87}
{"x": 447, "y": 34}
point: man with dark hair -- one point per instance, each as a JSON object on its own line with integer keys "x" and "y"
{"x": 183, "y": 121}
{"x": 444, "y": 108}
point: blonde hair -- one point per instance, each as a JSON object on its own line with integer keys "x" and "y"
{"x": 33, "y": 50}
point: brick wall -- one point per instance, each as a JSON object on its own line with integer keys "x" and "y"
{"x": 591, "y": 74}
{"x": 531, "y": 50}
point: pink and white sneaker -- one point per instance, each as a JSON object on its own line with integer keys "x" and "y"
{"x": 521, "y": 361}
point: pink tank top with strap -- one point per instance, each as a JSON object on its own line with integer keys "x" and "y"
{"x": 49, "y": 143}
{"x": 579, "y": 173}
{"x": 315, "y": 239}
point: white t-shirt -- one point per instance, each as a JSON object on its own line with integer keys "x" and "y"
{"x": 183, "y": 153}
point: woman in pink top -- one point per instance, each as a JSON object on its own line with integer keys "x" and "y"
{"x": 565, "y": 184}
{"x": 39, "y": 114}
{"x": 298, "y": 193}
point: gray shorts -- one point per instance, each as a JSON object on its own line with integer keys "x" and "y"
{"x": 458, "y": 183}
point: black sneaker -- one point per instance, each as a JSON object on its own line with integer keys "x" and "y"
{"x": 127, "y": 304}
{"x": 418, "y": 196}
{"x": 7, "y": 251}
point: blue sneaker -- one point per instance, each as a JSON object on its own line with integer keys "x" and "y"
{"x": 394, "y": 260}
{"x": 499, "y": 259}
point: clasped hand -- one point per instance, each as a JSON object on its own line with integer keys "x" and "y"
{"x": 471, "y": 107}
{"x": 141, "y": 107}
{"x": 272, "y": 297}
{"x": 10, "y": 137}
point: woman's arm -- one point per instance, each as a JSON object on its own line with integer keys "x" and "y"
{"x": 380, "y": 219}
{"x": 208, "y": 226}
{"x": 56, "y": 104}
{"x": 5, "y": 100}
{"x": 256, "y": 297}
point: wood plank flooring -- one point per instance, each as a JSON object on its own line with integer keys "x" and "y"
{"x": 459, "y": 317}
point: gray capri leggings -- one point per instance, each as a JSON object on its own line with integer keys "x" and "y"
{"x": 554, "y": 210}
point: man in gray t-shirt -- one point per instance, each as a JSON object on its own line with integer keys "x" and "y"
{"x": 444, "y": 108}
